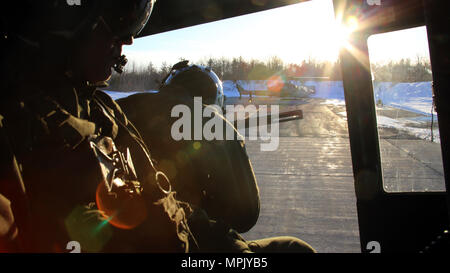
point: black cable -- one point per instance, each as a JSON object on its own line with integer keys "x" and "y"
{"x": 432, "y": 121}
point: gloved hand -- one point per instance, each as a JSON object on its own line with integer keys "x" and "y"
{"x": 8, "y": 229}
{"x": 214, "y": 236}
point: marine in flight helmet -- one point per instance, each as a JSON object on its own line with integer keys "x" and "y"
{"x": 197, "y": 81}
{"x": 37, "y": 22}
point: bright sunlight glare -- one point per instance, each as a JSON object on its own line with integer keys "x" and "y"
{"x": 295, "y": 33}
{"x": 342, "y": 31}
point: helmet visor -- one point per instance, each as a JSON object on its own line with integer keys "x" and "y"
{"x": 127, "y": 18}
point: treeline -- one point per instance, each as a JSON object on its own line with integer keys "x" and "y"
{"x": 403, "y": 71}
{"x": 136, "y": 78}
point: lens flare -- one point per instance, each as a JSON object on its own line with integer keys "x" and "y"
{"x": 342, "y": 30}
{"x": 275, "y": 83}
{"x": 86, "y": 225}
{"x": 124, "y": 210}
{"x": 197, "y": 145}
{"x": 352, "y": 24}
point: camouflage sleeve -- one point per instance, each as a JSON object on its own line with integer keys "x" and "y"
{"x": 232, "y": 189}
{"x": 8, "y": 229}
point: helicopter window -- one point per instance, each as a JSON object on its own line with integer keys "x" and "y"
{"x": 284, "y": 59}
{"x": 407, "y": 122}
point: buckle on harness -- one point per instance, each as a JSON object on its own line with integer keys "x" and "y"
{"x": 116, "y": 167}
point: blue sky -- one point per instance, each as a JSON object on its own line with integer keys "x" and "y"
{"x": 293, "y": 33}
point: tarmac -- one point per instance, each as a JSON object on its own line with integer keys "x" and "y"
{"x": 306, "y": 185}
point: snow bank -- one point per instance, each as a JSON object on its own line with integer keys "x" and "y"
{"x": 415, "y": 97}
{"x": 119, "y": 95}
{"x": 229, "y": 89}
{"x": 327, "y": 89}
{"x": 402, "y": 124}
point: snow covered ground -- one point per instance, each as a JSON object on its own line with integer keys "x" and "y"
{"x": 412, "y": 97}
{"x": 416, "y": 98}
{"x": 118, "y": 95}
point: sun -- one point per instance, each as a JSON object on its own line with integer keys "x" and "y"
{"x": 342, "y": 30}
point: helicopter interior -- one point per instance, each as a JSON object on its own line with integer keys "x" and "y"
{"x": 385, "y": 220}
